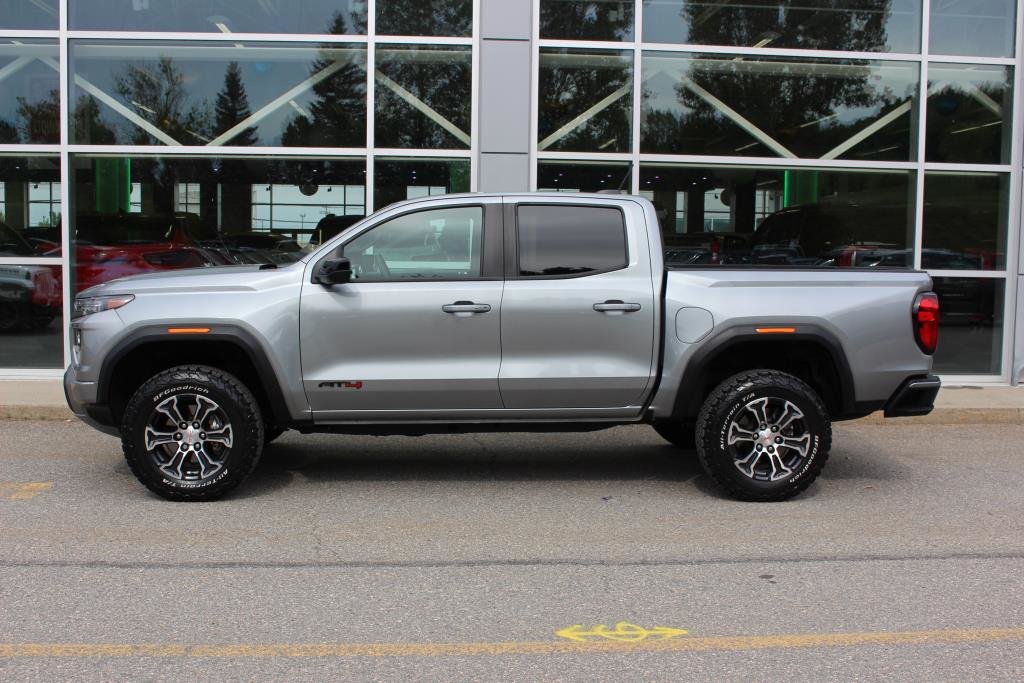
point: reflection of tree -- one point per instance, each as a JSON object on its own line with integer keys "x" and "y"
{"x": 87, "y": 123}
{"x": 233, "y": 107}
{"x": 160, "y": 90}
{"x": 40, "y": 121}
{"x": 443, "y": 84}
{"x": 854, "y": 25}
{"x": 338, "y": 112}
{"x": 586, "y": 19}
{"x": 425, "y": 17}
{"x": 8, "y": 133}
{"x": 961, "y": 129}
{"x": 568, "y": 91}
{"x": 796, "y": 103}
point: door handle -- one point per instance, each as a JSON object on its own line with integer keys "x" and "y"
{"x": 465, "y": 307}
{"x": 616, "y": 305}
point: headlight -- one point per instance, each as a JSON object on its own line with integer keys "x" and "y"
{"x": 94, "y": 304}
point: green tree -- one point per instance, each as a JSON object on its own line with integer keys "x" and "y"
{"x": 338, "y": 111}
{"x": 232, "y": 107}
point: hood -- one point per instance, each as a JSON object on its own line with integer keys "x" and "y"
{"x": 198, "y": 280}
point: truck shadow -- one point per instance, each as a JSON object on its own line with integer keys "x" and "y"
{"x": 399, "y": 459}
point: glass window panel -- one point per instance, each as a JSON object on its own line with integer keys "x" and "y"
{"x": 395, "y": 180}
{"x": 226, "y": 16}
{"x": 791, "y": 217}
{"x": 425, "y": 17}
{"x": 970, "y": 325}
{"x": 970, "y": 113}
{"x": 965, "y": 218}
{"x": 983, "y": 28}
{"x": 443, "y": 244}
{"x": 423, "y": 97}
{"x": 30, "y": 207}
{"x": 31, "y": 309}
{"x": 586, "y": 19}
{"x": 29, "y": 92}
{"x": 865, "y": 26}
{"x": 582, "y": 176}
{"x": 201, "y": 212}
{"x": 585, "y": 100}
{"x": 29, "y": 15}
{"x": 569, "y": 240}
{"x": 740, "y": 106}
{"x": 216, "y": 94}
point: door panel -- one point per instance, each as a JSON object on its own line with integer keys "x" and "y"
{"x": 417, "y": 330}
{"x": 558, "y": 350}
{"x": 390, "y": 346}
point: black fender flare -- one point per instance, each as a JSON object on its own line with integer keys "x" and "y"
{"x": 232, "y": 334}
{"x": 689, "y": 397}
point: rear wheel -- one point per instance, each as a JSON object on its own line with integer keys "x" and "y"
{"x": 192, "y": 433}
{"x": 763, "y": 435}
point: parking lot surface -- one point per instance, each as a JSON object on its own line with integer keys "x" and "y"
{"x": 515, "y": 556}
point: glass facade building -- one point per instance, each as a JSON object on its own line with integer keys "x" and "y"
{"x": 144, "y": 135}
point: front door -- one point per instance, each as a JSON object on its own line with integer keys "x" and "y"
{"x": 416, "y": 333}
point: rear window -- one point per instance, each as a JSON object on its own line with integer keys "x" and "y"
{"x": 570, "y": 240}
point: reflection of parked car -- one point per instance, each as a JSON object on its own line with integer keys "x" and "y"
{"x": 696, "y": 248}
{"x": 257, "y": 247}
{"x": 113, "y": 246}
{"x": 30, "y": 296}
{"x": 828, "y": 233}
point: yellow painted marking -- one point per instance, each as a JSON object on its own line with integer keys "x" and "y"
{"x": 624, "y": 632}
{"x": 709, "y": 644}
{"x": 24, "y": 491}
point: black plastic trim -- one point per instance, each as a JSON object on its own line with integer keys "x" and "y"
{"x": 230, "y": 333}
{"x": 689, "y": 399}
{"x": 916, "y": 396}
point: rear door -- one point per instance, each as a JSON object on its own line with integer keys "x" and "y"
{"x": 578, "y": 311}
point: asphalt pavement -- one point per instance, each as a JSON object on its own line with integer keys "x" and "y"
{"x": 606, "y": 555}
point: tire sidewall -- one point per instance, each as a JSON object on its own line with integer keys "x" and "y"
{"x": 159, "y": 390}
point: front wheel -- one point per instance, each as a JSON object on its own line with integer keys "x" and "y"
{"x": 763, "y": 435}
{"x": 192, "y": 433}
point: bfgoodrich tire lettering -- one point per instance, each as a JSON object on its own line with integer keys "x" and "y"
{"x": 763, "y": 435}
{"x": 192, "y": 433}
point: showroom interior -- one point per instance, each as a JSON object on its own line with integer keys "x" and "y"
{"x": 147, "y": 135}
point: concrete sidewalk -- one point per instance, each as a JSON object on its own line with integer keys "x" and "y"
{"x": 44, "y": 400}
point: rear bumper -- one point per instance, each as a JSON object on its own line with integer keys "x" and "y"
{"x": 916, "y": 396}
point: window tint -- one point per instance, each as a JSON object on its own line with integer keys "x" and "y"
{"x": 570, "y": 240}
{"x": 444, "y": 244}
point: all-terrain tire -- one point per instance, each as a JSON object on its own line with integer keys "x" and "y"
{"x": 680, "y": 433}
{"x": 229, "y": 437}
{"x": 743, "y": 466}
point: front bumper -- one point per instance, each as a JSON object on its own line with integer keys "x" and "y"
{"x": 81, "y": 398}
{"x": 916, "y": 396}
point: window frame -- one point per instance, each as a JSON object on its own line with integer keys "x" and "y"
{"x": 512, "y": 270}
{"x": 490, "y": 248}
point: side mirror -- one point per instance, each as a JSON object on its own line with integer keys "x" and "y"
{"x": 333, "y": 271}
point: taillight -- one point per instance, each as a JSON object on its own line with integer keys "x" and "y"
{"x": 926, "y": 321}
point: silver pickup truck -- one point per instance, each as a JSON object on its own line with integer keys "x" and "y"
{"x": 523, "y": 312}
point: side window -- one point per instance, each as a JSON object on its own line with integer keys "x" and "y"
{"x": 570, "y": 240}
{"x": 440, "y": 244}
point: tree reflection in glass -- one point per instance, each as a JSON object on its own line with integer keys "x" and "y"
{"x": 585, "y": 100}
{"x": 857, "y": 25}
{"x": 785, "y": 107}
